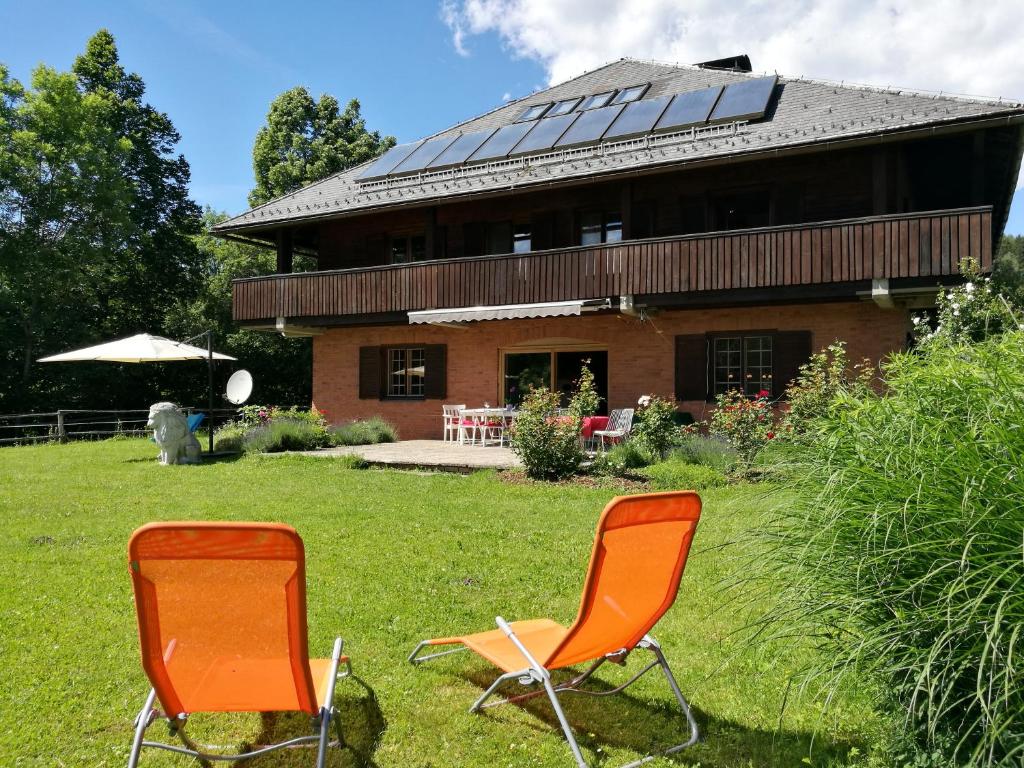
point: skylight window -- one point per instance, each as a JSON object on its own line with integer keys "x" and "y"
{"x": 563, "y": 107}
{"x": 597, "y": 100}
{"x": 533, "y": 113}
{"x": 627, "y": 95}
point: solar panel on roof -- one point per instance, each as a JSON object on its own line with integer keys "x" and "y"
{"x": 690, "y": 108}
{"x": 590, "y": 126}
{"x": 563, "y": 107}
{"x": 745, "y": 100}
{"x": 501, "y": 143}
{"x": 633, "y": 93}
{"x": 460, "y": 149}
{"x": 638, "y": 117}
{"x": 544, "y": 134}
{"x": 424, "y": 153}
{"x": 533, "y": 113}
{"x": 386, "y": 162}
{"x": 597, "y": 100}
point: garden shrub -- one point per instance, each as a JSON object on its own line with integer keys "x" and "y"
{"x": 746, "y": 423}
{"x": 818, "y": 385}
{"x": 905, "y": 555}
{"x": 674, "y": 474}
{"x": 229, "y": 437}
{"x": 367, "y": 432}
{"x": 621, "y": 459}
{"x": 548, "y": 444}
{"x": 585, "y": 400}
{"x": 967, "y": 313}
{"x": 694, "y": 448}
{"x": 282, "y": 435}
{"x": 654, "y": 425}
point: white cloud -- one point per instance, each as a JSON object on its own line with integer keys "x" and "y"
{"x": 506, "y": 96}
{"x": 942, "y": 45}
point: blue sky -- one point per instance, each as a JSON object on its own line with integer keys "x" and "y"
{"x": 215, "y": 67}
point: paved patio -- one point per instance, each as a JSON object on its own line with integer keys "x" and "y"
{"x": 428, "y": 454}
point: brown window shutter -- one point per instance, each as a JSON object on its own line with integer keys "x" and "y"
{"x": 435, "y": 384}
{"x": 370, "y": 373}
{"x": 790, "y": 350}
{"x": 692, "y": 367}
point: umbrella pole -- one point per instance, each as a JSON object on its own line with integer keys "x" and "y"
{"x": 209, "y": 383}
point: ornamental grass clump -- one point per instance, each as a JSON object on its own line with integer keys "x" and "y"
{"x": 905, "y": 556}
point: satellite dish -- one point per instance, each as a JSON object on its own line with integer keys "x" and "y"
{"x": 239, "y": 387}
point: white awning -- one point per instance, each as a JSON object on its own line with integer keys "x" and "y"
{"x": 507, "y": 311}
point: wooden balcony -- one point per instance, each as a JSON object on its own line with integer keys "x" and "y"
{"x": 836, "y": 253}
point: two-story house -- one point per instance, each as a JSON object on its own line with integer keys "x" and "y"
{"x": 683, "y": 229}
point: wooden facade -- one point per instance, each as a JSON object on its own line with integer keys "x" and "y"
{"x": 849, "y": 252}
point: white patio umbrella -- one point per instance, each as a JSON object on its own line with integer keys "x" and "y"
{"x": 147, "y": 348}
{"x": 141, "y": 348}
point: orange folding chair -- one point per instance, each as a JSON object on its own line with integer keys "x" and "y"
{"x": 638, "y": 558}
{"x": 222, "y": 624}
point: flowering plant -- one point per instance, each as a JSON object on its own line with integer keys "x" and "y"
{"x": 746, "y": 423}
{"x": 655, "y": 430}
{"x": 967, "y": 313}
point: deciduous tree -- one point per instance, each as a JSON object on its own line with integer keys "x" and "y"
{"x": 305, "y": 140}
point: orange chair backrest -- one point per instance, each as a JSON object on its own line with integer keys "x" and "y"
{"x": 222, "y": 616}
{"x": 638, "y": 558}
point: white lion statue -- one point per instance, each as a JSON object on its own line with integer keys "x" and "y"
{"x": 170, "y": 431}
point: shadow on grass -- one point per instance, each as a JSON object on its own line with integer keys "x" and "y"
{"x": 361, "y": 723}
{"x": 222, "y": 457}
{"x": 625, "y": 721}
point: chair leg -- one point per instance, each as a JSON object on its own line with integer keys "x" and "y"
{"x": 141, "y": 723}
{"x": 564, "y": 722}
{"x": 653, "y": 646}
{"x": 325, "y": 727}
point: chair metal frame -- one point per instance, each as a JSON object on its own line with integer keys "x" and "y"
{"x": 320, "y": 723}
{"x": 534, "y": 673}
{"x": 620, "y": 424}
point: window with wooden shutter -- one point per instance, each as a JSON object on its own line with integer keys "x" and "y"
{"x": 750, "y": 361}
{"x": 369, "y": 373}
{"x": 692, "y": 367}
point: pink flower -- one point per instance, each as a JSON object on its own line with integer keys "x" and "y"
{"x": 763, "y": 393}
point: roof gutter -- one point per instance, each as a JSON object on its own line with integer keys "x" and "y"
{"x": 809, "y": 147}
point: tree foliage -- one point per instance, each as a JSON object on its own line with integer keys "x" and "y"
{"x": 305, "y": 140}
{"x": 281, "y": 368}
{"x": 96, "y": 225}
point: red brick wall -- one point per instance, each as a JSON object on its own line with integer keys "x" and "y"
{"x": 640, "y": 354}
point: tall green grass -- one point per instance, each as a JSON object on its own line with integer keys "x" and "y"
{"x": 905, "y": 557}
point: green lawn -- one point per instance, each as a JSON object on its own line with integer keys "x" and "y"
{"x": 392, "y": 557}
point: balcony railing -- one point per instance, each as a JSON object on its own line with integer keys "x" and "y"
{"x": 914, "y": 245}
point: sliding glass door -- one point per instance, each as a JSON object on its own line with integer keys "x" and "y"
{"x": 555, "y": 369}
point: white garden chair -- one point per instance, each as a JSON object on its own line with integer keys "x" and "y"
{"x": 452, "y": 417}
{"x": 620, "y": 424}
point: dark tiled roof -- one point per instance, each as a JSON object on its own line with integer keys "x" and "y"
{"x": 806, "y": 112}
